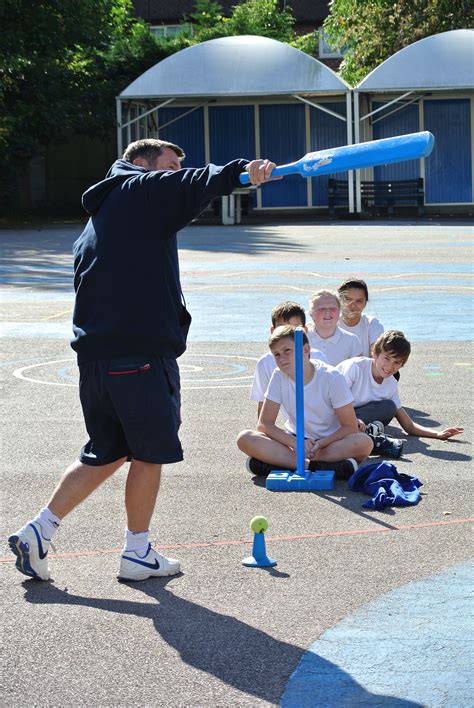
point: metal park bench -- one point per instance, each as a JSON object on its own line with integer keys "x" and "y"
{"x": 387, "y": 193}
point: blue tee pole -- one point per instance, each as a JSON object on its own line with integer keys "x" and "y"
{"x": 300, "y": 466}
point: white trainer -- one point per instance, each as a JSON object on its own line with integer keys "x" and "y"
{"x": 31, "y": 550}
{"x": 152, "y": 565}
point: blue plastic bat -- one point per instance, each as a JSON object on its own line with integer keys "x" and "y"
{"x": 354, "y": 157}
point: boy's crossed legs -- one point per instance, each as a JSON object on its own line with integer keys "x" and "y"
{"x": 354, "y": 447}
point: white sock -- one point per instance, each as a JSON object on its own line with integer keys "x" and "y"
{"x": 49, "y": 523}
{"x": 137, "y": 542}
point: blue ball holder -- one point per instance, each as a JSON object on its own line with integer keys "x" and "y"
{"x": 259, "y": 558}
{"x": 302, "y": 480}
{"x": 295, "y": 482}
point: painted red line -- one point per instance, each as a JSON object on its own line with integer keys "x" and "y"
{"x": 299, "y": 537}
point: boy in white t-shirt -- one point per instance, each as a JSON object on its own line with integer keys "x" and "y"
{"x": 335, "y": 343}
{"x": 354, "y": 296}
{"x": 285, "y": 313}
{"x": 375, "y": 390}
{"x": 331, "y": 430}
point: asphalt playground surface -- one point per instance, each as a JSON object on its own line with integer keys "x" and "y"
{"x": 363, "y": 608}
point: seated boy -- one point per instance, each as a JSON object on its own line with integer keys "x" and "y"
{"x": 375, "y": 390}
{"x": 335, "y": 343}
{"x": 285, "y": 313}
{"x": 354, "y": 297}
{"x": 331, "y": 431}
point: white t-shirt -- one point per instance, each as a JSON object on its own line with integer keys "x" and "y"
{"x": 326, "y": 391}
{"x": 342, "y": 345}
{"x": 264, "y": 369}
{"x": 368, "y": 329}
{"x": 364, "y": 388}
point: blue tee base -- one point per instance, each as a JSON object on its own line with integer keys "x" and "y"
{"x": 305, "y": 482}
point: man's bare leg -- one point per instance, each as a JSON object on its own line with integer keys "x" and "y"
{"x": 30, "y": 544}
{"x": 141, "y": 490}
{"x": 77, "y": 483}
{"x": 139, "y": 560}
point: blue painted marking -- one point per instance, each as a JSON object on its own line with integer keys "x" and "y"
{"x": 310, "y": 280}
{"x": 14, "y": 295}
{"x": 67, "y": 373}
{"x": 43, "y": 330}
{"x": 352, "y": 265}
{"x": 245, "y": 316}
{"x": 413, "y": 646}
{"x": 39, "y": 268}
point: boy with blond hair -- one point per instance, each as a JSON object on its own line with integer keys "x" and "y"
{"x": 375, "y": 390}
{"x": 326, "y": 335}
{"x": 332, "y": 438}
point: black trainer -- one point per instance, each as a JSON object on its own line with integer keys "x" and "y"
{"x": 387, "y": 447}
{"x": 343, "y": 469}
{"x": 262, "y": 469}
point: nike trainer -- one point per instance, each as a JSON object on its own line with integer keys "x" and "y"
{"x": 152, "y": 565}
{"x": 31, "y": 550}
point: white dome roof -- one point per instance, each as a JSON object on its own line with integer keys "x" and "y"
{"x": 246, "y": 65}
{"x": 442, "y": 61}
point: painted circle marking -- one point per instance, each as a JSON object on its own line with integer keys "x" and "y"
{"x": 227, "y": 378}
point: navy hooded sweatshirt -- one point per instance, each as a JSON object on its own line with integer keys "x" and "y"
{"x": 126, "y": 272}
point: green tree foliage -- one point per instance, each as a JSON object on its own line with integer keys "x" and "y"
{"x": 62, "y": 62}
{"x": 207, "y": 14}
{"x": 373, "y": 30}
{"x": 260, "y": 17}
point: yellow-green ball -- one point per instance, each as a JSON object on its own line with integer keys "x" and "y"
{"x": 258, "y": 524}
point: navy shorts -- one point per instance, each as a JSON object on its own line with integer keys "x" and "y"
{"x": 131, "y": 408}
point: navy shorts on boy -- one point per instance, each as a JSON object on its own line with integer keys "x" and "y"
{"x": 131, "y": 408}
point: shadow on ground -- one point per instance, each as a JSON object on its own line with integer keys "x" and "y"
{"x": 221, "y": 645}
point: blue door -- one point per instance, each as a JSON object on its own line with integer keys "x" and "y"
{"x": 326, "y": 132}
{"x": 282, "y": 139}
{"x": 231, "y": 133}
{"x": 404, "y": 121}
{"x": 449, "y": 167}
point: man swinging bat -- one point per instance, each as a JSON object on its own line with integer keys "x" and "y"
{"x": 130, "y": 325}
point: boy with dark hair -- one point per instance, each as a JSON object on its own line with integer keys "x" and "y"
{"x": 375, "y": 390}
{"x": 331, "y": 431}
{"x": 287, "y": 312}
{"x": 354, "y": 296}
{"x": 149, "y": 149}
